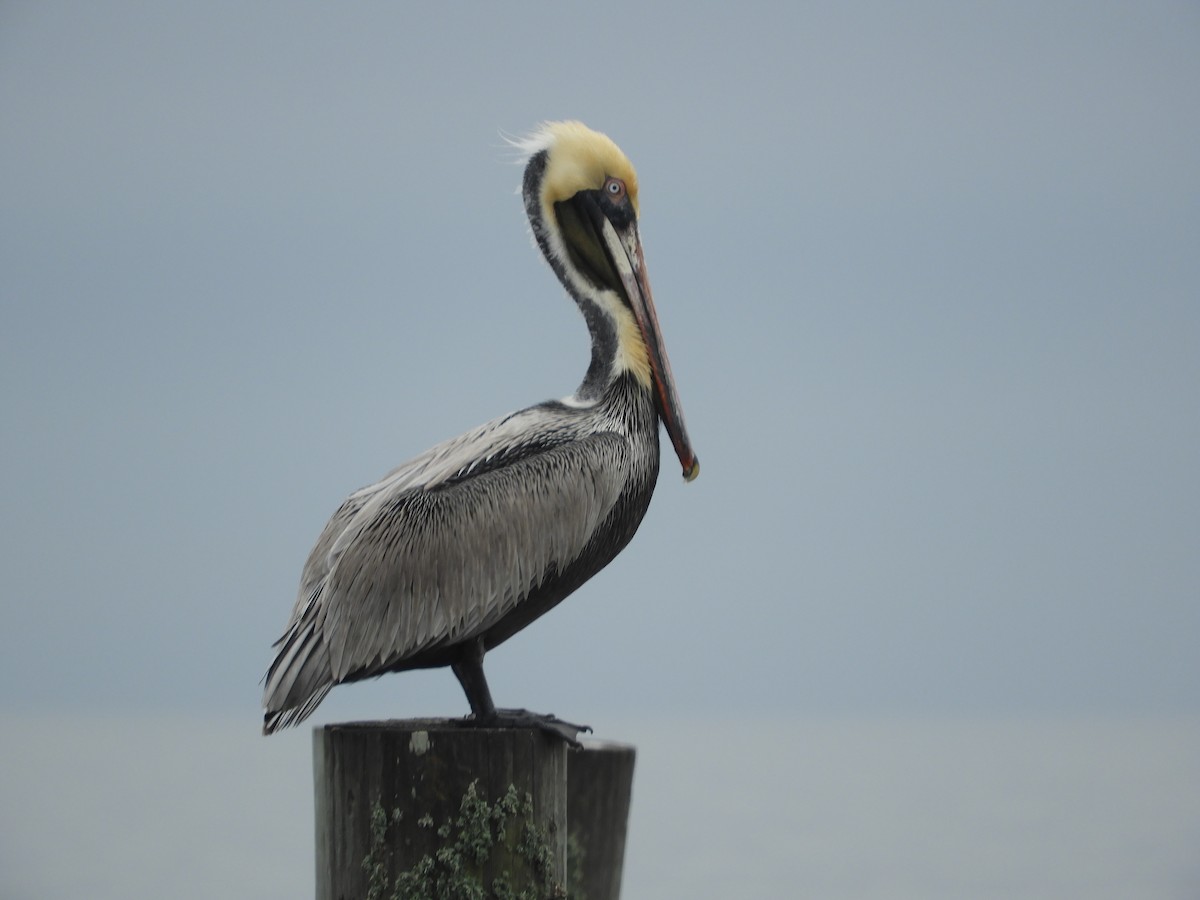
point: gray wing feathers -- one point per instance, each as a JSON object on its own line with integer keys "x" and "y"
{"x": 416, "y": 562}
{"x": 430, "y": 568}
{"x": 298, "y": 680}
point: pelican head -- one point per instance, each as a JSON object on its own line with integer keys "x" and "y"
{"x": 581, "y": 196}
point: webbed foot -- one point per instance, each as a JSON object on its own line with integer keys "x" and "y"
{"x": 523, "y": 718}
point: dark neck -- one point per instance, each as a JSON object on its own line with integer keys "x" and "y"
{"x": 601, "y": 327}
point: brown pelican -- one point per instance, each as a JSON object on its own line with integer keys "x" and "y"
{"x": 460, "y": 548}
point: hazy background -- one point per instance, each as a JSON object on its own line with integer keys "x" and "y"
{"x": 928, "y": 275}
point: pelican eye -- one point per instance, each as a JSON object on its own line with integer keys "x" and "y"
{"x": 614, "y": 187}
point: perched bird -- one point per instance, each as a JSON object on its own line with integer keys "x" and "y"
{"x": 460, "y": 548}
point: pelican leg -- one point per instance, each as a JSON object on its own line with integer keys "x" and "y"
{"x": 469, "y": 671}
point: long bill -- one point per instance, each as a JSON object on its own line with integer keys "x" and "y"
{"x": 625, "y": 251}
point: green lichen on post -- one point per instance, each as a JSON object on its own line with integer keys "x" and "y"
{"x": 376, "y": 860}
{"x": 456, "y": 870}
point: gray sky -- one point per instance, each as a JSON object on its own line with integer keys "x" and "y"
{"x": 928, "y": 276}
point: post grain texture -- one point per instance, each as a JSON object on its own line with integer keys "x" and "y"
{"x": 394, "y": 796}
{"x": 599, "y": 791}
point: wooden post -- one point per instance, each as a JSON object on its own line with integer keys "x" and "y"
{"x": 430, "y": 808}
{"x": 599, "y": 790}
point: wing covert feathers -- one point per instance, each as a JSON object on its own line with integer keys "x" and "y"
{"x": 437, "y": 552}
